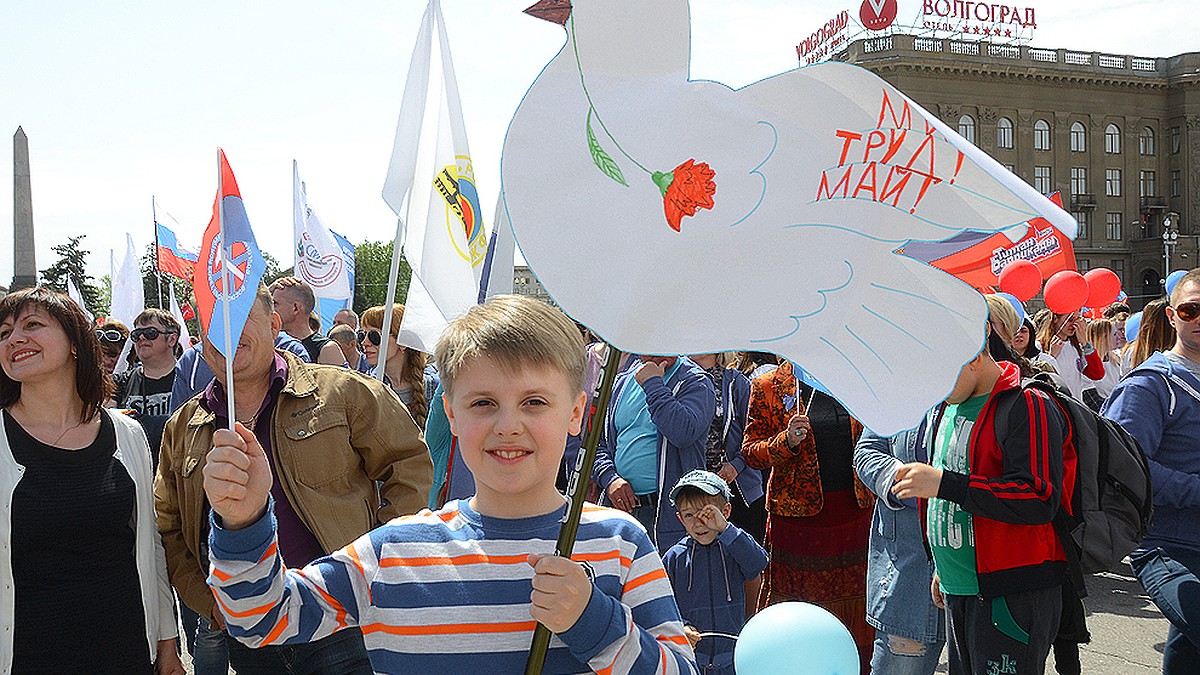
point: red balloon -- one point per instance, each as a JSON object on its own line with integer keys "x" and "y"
{"x": 1066, "y": 292}
{"x": 1103, "y": 287}
{"x": 1021, "y": 278}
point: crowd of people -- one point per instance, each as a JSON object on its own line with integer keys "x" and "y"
{"x": 343, "y": 523}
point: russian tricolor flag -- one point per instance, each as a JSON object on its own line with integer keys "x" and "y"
{"x": 173, "y": 258}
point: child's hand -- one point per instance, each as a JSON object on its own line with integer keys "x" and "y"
{"x": 712, "y": 518}
{"x": 237, "y": 477}
{"x": 561, "y": 591}
{"x": 692, "y": 635}
{"x": 647, "y": 370}
{"x": 917, "y": 480}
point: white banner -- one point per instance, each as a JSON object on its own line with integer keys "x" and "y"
{"x": 679, "y": 217}
{"x": 430, "y": 186}
{"x": 318, "y": 256}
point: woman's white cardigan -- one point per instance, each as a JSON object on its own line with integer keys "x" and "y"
{"x": 134, "y": 454}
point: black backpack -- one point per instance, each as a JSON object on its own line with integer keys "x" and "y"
{"x": 1111, "y": 504}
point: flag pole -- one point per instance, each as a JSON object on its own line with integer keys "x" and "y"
{"x": 157, "y": 274}
{"x": 393, "y": 281}
{"x": 226, "y": 280}
{"x": 577, "y": 490}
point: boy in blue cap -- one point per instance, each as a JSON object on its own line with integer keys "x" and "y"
{"x": 716, "y": 569}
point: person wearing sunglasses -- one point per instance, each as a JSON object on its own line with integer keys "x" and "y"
{"x": 405, "y": 370}
{"x": 1158, "y": 403}
{"x": 112, "y": 336}
{"x": 146, "y": 389}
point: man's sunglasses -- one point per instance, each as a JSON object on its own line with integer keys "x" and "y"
{"x": 374, "y": 336}
{"x": 149, "y": 332}
{"x": 111, "y": 335}
{"x": 1188, "y": 311}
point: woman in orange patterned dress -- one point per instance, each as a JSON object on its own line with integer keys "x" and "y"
{"x": 818, "y": 512}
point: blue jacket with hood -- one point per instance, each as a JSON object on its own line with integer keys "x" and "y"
{"x": 1158, "y": 403}
{"x": 682, "y": 409}
{"x": 735, "y": 395}
{"x": 709, "y": 583}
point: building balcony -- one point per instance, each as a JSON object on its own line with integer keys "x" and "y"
{"x": 1083, "y": 201}
{"x": 1150, "y": 204}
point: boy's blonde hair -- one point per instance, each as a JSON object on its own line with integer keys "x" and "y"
{"x": 516, "y": 332}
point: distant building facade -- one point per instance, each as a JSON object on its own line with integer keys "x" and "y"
{"x": 526, "y": 283}
{"x": 1118, "y": 136}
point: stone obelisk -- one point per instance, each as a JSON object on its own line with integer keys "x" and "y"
{"x": 24, "y": 265}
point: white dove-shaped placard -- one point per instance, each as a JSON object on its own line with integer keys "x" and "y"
{"x": 675, "y": 216}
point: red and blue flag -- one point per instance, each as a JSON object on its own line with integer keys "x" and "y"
{"x": 229, "y": 258}
{"x": 172, "y": 257}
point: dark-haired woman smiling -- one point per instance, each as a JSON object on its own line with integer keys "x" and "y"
{"x": 81, "y": 564}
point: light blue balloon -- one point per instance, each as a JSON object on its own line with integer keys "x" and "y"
{"x": 1017, "y": 305}
{"x": 1173, "y": 279}
{"x": 1131, "y": 326}
{"x": 795, "y": 638}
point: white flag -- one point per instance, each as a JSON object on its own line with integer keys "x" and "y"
{"x": 318, "y": 257}
{"x": 75, "y": 295}
{"x": 502, "y": 253}
{"x": 431, "y": 187}
{"x": 185, "y": 338}
{"x": 128, "y": 294}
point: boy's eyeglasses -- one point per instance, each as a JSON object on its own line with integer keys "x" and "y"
{"x": 111, "y": 335}
{"x": 149, "y": 332}
{"x": 374, "y": 336}
{"x": 1188, "y": 311}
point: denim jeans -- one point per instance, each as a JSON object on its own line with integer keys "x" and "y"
{"x": 894, "y": 655}
{"x": 206, "y": 645}
{"x": 343, "y": 653}
{"x": 1171, "y": 582}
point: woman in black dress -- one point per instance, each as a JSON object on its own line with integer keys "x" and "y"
{"x": 82, "y": 573}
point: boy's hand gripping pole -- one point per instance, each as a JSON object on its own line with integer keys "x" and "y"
{"x": 577, "y": 490}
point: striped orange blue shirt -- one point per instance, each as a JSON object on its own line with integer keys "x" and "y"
{"x": 448, "y": 591}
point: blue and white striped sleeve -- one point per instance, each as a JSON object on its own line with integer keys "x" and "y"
{"x": 265, "y": 603}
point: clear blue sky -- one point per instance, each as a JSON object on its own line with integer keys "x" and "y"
{"x": 123, "y": 100}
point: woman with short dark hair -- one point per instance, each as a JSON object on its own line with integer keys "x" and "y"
{"x": 81, "y": 561}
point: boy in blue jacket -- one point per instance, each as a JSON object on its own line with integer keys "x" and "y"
{"x": 716, "y": 569}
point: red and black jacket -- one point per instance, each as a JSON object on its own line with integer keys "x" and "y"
{"x": 1016, "y": 486}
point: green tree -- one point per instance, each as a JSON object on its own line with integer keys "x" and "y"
{"x": 72, "y": 264}
{"x": 372, "y": 265}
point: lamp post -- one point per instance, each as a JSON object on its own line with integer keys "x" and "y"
{"x": 1170, "y": 237}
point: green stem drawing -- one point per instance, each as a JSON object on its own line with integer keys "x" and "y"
{"x": 598, "y": 154}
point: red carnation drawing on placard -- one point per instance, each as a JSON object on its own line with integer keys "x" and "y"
{"x": 686, "y": 189}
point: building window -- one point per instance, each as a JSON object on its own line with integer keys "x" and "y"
{"x": 1176, "y": 140}
{"x": 1078, "y": 180}
{"x": 1112, "y": 226}
{"x": 1176, "y": 183}
{"x": 1078, "y": 137}
{"x": 1112, "y": 182}
{"x": 1083, "y": 265}
{"x": 1118, "y": 267}
{"x": 966, "y": 127}
{"x": 1011, "y": 168}
{"x": 1041, "y": 179}
{"x": 1004, "y": 133}
{"x": 1146, "y": 141}
{"x": 1147, "y": 184}
{"x": 1112, "y": 139}
{"x": 1084, "y": 218}
{"x": 1041, "y": 135}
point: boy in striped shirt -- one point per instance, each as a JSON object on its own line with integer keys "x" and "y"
{"x": 459, "y": 589}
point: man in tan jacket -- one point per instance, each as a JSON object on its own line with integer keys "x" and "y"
{"x": 345, "y": 454}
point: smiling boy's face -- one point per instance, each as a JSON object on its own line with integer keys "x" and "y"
{"x": 512, "y": 428}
